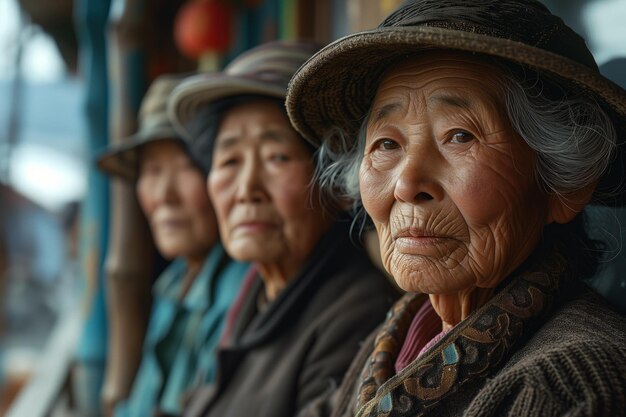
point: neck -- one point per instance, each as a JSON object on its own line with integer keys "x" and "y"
{"x": 275, "y": 277}
{"x": 453, "y": 308}
{"x": 194, "y": 264}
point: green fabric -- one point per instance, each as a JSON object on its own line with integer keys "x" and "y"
{"x": 179, "y": 350}
{"x": 277, "y": 360}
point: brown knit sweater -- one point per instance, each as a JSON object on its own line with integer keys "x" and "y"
{"x": 572, "y": 364}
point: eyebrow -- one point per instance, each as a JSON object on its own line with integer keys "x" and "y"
{"x": 384, "y": 111}
{"x": 442, "y": 98}
{"x": 226, "y": 143}
{"x": 272, "y": 135}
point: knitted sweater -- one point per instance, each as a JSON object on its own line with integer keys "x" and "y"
{"x": 571, "y": 362}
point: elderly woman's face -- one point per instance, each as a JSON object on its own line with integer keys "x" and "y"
{"x": 259, "y": 182}
{"x": 448, "y": 183}
{"x": 172, "y": 194}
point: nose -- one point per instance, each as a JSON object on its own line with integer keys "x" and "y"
{"x": 250, "y": 188}
{"x": 165, "y": 190}
{"x": 417, "y": 181}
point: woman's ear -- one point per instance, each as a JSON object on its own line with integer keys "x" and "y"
{"x": 563, "y": 208}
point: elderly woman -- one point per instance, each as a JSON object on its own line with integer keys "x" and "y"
{"x": 191, "y": 297}
{"x": 475, "y": 132}
{"x": 295, "y": 329}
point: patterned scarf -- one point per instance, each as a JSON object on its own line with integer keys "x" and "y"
{"x": 470, "y": 351}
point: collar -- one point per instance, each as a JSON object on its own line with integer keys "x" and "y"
{"x": 469, "y": 352}
{"x": 332, "y": 252}
{"x": 200, "y": 294}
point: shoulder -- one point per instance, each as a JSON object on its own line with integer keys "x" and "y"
{"x": 353, "y": 300}
{"x": 357, "y": 290}
{"x": 354, "y": 275}
{"x": 583, "y": 318}
{"x": 573, "y": 365}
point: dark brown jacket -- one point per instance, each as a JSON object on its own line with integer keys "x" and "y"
{"x": 570, "y": 362}
{"x": 300, "y": 346}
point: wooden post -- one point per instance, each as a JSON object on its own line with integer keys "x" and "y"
{"x": 130, "y": 259}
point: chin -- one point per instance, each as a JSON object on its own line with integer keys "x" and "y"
{"x": 425, "y": 283}
{"x": 168, "y": 253}
{"x": 249, "y": 253}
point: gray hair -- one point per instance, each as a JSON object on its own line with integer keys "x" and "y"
{"x": 573, "y": 137}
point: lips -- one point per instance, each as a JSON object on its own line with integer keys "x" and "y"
{"x": 413, "y": 232}
{"x": 255, "y": 225}
{"x": 171, "y": 224}
{"x": 423, "y": 242}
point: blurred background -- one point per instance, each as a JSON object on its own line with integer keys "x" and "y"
{"x": 76, "y": 260}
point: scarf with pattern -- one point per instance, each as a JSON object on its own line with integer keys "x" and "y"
{"x": 471, "y": 350}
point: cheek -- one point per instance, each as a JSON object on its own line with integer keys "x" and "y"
{"x": 193, "y": 192}
{"x": 486, "y": 192}
{"x": 377, "y": 195}
{"x": 289, "y": 192}
{"x": 144, "y": 197}
{"x": 220, "y": 195}
{"x": 377, "y": 191}
{"x": 200, "y": 204}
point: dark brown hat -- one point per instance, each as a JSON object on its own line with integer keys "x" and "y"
{"x": 335, "y": 88}
{"x": 154, "y": 125}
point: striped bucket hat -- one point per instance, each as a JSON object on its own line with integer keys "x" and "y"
{"x": 261, "y": 71}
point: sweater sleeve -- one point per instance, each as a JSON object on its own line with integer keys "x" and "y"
{"x": 577, "y": 379}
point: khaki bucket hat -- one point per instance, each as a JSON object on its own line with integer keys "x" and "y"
{"x": 335, "y": 88}
{"x": 154, "y": 125}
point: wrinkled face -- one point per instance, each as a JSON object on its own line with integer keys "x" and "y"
{"x": 259, "y": 182}
{"x": 172, "y": 194}
{"x": 448, "y": 183}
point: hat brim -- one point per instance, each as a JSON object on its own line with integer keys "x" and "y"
{"x": 200, "y": 91}
{"x": 336, "y": 86}
{"x": 121, "y": 160}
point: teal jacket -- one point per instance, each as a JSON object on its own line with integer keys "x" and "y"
{"x": 182, "y": 336}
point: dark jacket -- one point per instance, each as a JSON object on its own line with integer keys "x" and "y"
{"x": 300, "y": 346}
{"x": 533, "y": 350}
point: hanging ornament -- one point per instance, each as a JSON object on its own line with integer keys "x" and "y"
{"x": 203, "y": 30}
{"x": 249, "y": 4}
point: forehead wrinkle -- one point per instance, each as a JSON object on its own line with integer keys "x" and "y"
{"x": 396, "y": 104}
{"x": 271, "y": 135}
{"x": 447, "y": 98}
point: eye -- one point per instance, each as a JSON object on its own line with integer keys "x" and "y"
{"x": 227, "y": 162}
{"x": 386, "y": 145}
{"x": 461, "y": 136}
{"x": 279, "y": 157}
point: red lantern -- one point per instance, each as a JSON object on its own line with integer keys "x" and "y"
{"x": 203, "y": 26}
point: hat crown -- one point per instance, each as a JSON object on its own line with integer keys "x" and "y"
{"x": 525, "y": 21}
{"x": 153, "y": 115}
{"x": 273, "y": 62}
